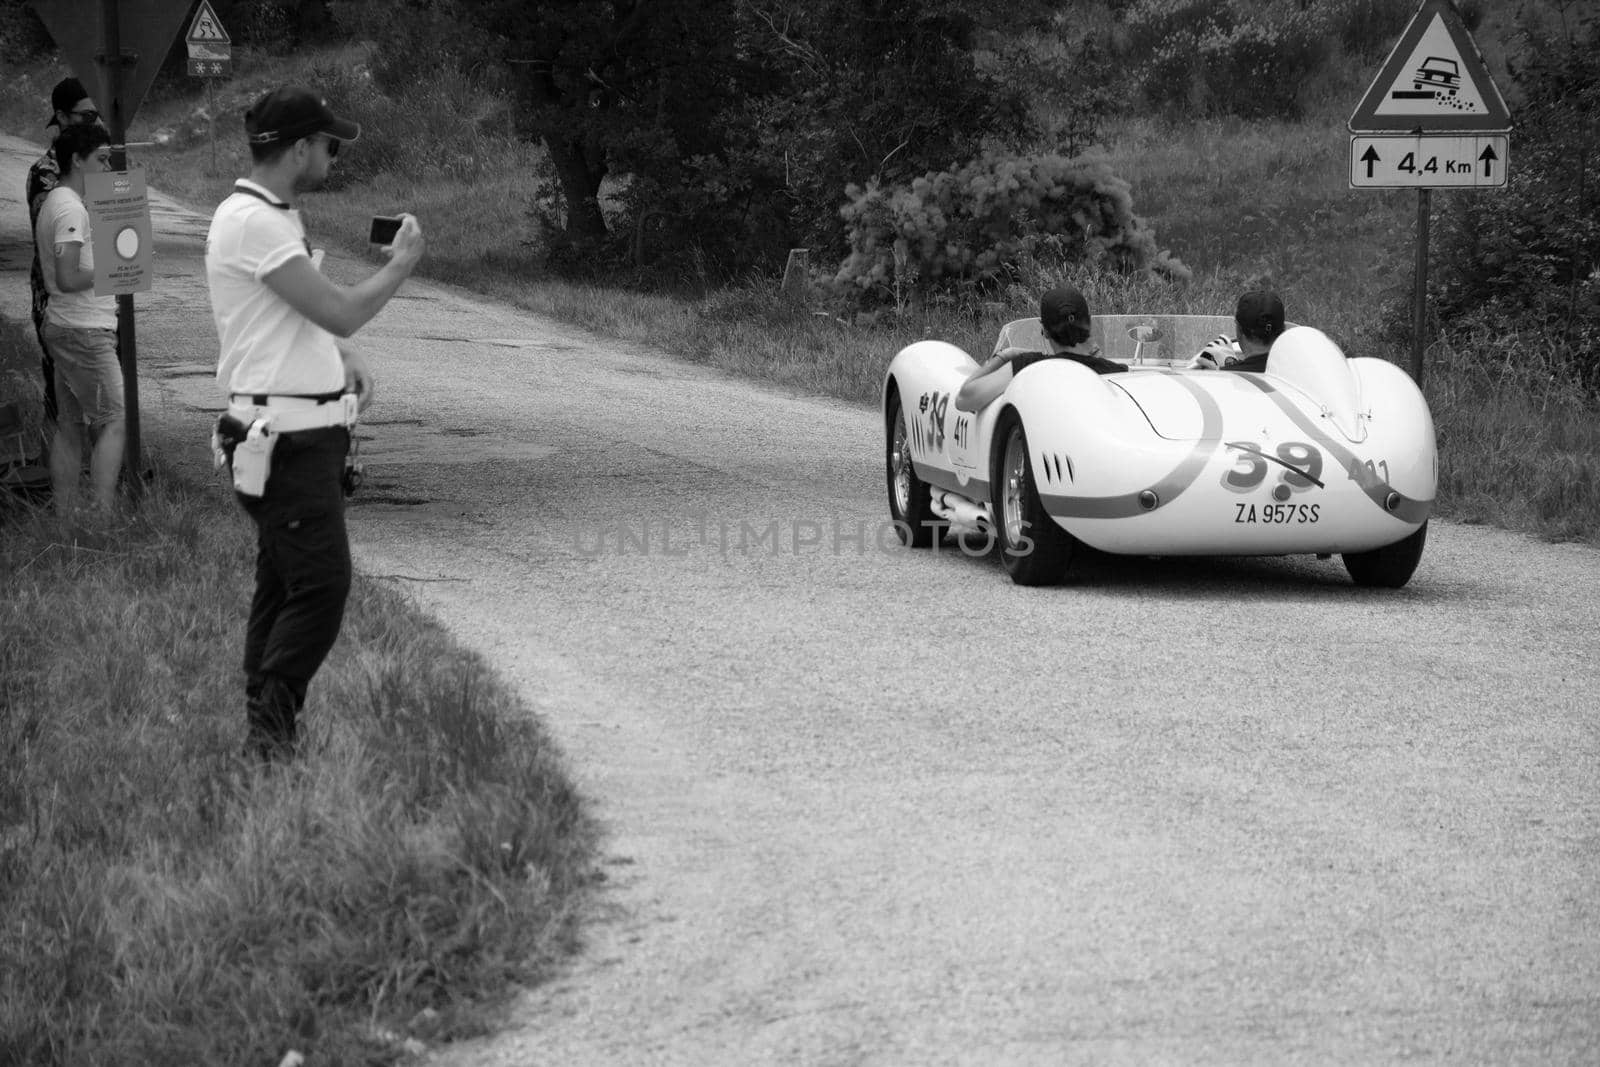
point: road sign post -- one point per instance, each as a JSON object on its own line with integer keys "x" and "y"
{"x": 210, "y": 57}
{"x": 115, "y": 48}
{"x": 1433, "y": 118}
{"x": 1419, "y": 289}
{"x": 127, "y": 332}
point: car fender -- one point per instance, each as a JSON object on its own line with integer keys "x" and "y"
{"x": 1401, "y": 444}
{"x": 925, "y": 365}
{"x": 1306, "y": 359}
{"x": 1387, "y": 449}
{"x": 1084, "y": 434}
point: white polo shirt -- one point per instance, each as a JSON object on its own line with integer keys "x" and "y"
{"x": 267, "y": 346}
{"x": 64, "y": 220}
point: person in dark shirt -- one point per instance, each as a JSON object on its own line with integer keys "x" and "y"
{"x": 1258, "y": 319}
{"x": 1064, "y": 320}
{"x": 72, "y": 107}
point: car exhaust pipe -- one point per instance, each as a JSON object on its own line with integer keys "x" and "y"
{"x": 961, "y": 513}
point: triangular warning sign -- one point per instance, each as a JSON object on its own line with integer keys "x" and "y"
{"x": 1435, "y": 79}
{"x": 147, "y": 28}
{"x": 206, "y": 27}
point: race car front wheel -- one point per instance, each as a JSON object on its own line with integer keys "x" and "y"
{"x": 1391, "y": 566}
{"x": 1034, "y": 549}
{"x": 910, "y": 503}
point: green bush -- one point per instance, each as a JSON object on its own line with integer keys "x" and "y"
{"x": 1238, "y": 57}
{"x": 274, "y": 26}
{"x": 1370, "y": 27}
{"x": 415, "y": 40}
{"x": 1522, "y": 260}
{"x": 1073, "y": 78}
{"x": 977, "y": 224}
{"x": 22, "y": 35}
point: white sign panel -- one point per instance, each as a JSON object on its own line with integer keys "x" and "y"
{"x": 1429, "y": 161}
{"x": 119, "y": 216}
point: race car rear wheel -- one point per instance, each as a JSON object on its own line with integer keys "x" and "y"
{"x": 1033, "y": 548}
{"x": 1391, "y": 566}
{"x": 910, "y": 503}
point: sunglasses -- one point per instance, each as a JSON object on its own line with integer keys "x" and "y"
{"x": 89, "y": 115}
{"x": 333, "y": 145}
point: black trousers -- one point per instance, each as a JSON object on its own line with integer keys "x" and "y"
{"x": 302, "y": 581}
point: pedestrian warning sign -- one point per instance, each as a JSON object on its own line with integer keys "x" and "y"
{"x": 1435, "y": 79}
{"x": 206, "y": 27}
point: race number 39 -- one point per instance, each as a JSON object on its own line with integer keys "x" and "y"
{"x": 1298, "y": 467}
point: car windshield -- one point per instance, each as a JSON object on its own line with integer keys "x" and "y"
{"x": 1136, "y": 339}
{"x": 1157, "y": 338}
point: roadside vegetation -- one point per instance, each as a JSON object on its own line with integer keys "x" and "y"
{"x": 1239, "y": 180}
{"x": 390, "y": 886}
{"x": 162, "y": 899}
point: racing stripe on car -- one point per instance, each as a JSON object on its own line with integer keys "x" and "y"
{"x": 1168, "y": 489}
{"x": 1409, "y": 509}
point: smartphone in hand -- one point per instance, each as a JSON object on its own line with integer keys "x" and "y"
{"x": 384, "y": 227}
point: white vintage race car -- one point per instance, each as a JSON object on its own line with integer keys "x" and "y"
{"x": 1316, "y": 454}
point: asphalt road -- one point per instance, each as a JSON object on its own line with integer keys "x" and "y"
{"x": 871, "y": 806}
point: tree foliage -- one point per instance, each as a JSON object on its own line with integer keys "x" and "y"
{"x": 875, "y": 91}
{"x": 725, "y": 130}
{"x": 1250, "y": 58}
{"x": 1523, "y": 259}
{"x": 22, "y": 34}
{"x": 974, "y": 225}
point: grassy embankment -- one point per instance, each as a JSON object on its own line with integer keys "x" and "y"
{"x": 1241, "y": 203}
{"x": 163, "y": 901}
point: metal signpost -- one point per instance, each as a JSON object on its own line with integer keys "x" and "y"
{"x": 1433, "y": 118}
{"x": 115, "y": 48}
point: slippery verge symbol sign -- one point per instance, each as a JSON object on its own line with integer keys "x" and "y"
{"x": 206, "y": 27}
{"x": 210, "y": 48}
{"x": 1435, "y": 79}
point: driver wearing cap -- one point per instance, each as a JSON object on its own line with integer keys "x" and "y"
{"x": 1258, "y": 319}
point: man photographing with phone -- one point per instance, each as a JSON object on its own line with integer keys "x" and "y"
{"x": 294, "y": 389}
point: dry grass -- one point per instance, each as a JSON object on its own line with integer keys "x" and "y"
{"x": 163, "y": 900}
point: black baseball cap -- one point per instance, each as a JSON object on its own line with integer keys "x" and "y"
{"x": 1259, "y": 315}
{"x": 1064, "y": 315}
{"x": 65, "y": 96}
{"x": 287, "y": 114}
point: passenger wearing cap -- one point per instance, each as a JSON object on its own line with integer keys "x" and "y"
{"x": 1258, "y": 320}
{"x": 296, "y": 386}
{"x": 1064, "y": 320}
{"x": 71, "y": 107}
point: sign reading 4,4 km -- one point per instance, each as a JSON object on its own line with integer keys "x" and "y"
{"x": 1390, "y": 161}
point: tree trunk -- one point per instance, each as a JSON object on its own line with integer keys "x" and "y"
{"x": 580, "y": 186}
